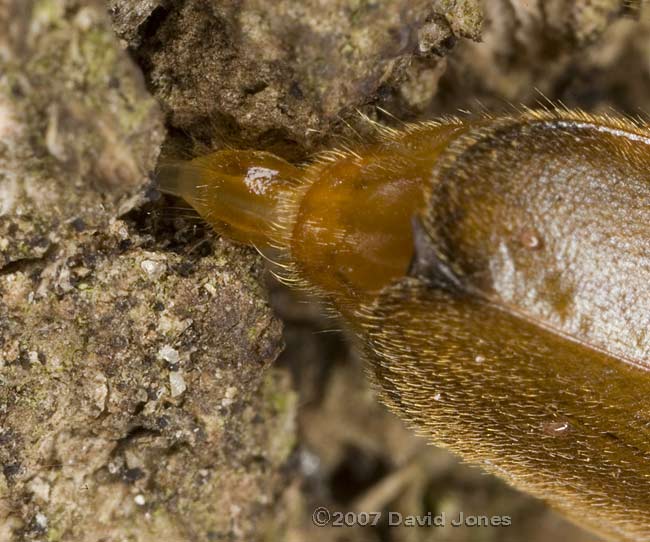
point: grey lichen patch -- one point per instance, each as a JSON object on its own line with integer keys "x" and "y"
{"x": 78, "y": 134}
{"x": 96, "y": 434}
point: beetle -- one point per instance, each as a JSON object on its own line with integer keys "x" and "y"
{"x": 495, "y": 273}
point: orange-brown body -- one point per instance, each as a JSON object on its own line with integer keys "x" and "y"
{"x": 497, "y": 275}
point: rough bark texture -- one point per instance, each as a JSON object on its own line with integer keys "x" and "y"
{"x": 137, "y": 401}
{"x": 279, "y": 74}
{"x": 135, "y": 397}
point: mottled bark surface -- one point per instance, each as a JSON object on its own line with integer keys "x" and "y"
{"x": 138, "y": 400}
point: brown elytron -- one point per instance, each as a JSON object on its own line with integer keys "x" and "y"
{"x": 497, "y": 274}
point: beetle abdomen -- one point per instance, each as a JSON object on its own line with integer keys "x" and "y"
{"x": 523, "y": 341}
